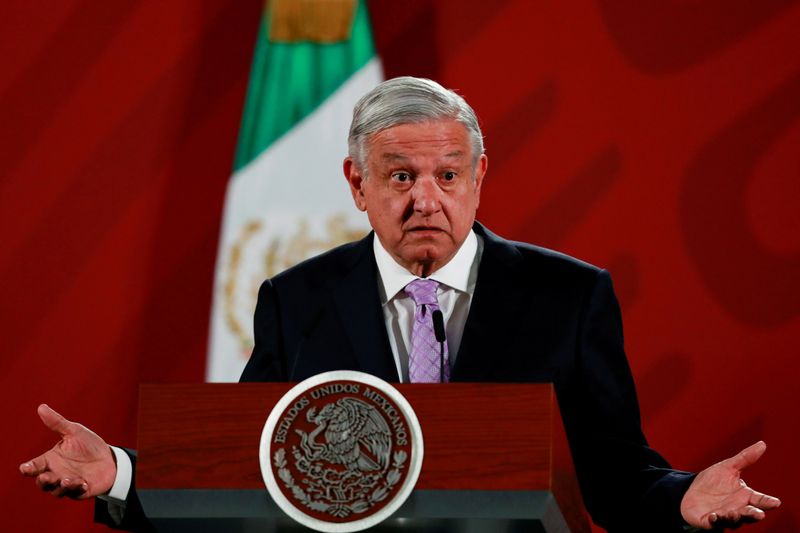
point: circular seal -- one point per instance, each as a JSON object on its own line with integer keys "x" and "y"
{"x": 341, "y": 451}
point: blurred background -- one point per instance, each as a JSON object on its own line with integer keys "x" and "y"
{"x": 658, "y": 140}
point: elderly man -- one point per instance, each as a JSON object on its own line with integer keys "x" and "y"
{"x": 513, "y": 312}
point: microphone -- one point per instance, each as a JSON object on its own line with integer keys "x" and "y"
{"x": 438, "y": 332}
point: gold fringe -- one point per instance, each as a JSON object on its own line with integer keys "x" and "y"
{"x": 319, "y": 21}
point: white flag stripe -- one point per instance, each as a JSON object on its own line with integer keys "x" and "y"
{"x": 278, "y": 210}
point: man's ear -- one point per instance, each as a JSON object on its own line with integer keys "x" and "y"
{"x": 480, "y": 172}
{"x": 355, "y": 179}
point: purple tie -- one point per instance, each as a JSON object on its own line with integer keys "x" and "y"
{"x": 424, "y": 356}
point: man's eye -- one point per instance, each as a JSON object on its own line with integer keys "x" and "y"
{"x": 401, "y": 177}
{"x": 449, "y": 176}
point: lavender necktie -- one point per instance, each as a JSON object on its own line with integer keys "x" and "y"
{"x": 424, "y": 357}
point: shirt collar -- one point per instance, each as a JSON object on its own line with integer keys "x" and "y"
{"x": 455, "y": 274}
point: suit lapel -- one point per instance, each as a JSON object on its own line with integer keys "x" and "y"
{"x": 494, "y": 313}
{"x": 359, "y": 307}
{"x": 493, "y": 317}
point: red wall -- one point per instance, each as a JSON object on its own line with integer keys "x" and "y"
{"x": 660, "y": 142}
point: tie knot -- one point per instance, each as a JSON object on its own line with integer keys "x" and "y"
{"x": 423, "y": 291}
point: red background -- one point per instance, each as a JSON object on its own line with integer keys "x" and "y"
{"x": 656, "y": 139}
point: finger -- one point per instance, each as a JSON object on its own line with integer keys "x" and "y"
{"x": 752, "y": 513}
{"x": 736, "y": 518}
{"x": 763, "y": 501}
{"x": 729, "y": 517}
{"x": 707, "y": 521}
{"x": 34, "y": 467}
{"x": 748, "y": 456}
{"x": 48, "y": 481}
{"x": 80, "y": 493}
{"x": 54, "y": 421}
{"x": 74, "y": 488}
{"x": 58, "y": 491}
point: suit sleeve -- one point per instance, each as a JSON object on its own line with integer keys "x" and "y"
{"x": 266, "y": 362}
{"x": 128, "y": 516}
{"x": 627, "y": 486}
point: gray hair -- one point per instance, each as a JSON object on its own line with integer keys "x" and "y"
{"x": 408, "y": 100}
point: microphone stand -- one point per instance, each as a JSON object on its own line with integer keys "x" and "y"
{"x": 438, "y": 331}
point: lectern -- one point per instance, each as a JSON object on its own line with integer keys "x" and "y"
{"x": 496, "y": 459}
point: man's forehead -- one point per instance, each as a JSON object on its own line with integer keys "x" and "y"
{"x": 391, "y": 157}
{"x": 444, "y": 138}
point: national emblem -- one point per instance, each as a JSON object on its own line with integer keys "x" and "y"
{"x": 364, "y": 466}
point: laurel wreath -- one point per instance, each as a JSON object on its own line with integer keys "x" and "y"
{"x": 359, "y": 506}
{"x": 301, "y": 245}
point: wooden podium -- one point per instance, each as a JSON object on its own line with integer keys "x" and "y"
{"x": 496, "y": 459}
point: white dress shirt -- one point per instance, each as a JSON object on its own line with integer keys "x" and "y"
{"x": 457, "y": 281}
{"x": 122, "y": 485}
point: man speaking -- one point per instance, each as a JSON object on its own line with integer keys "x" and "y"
{"x": 511, "y": 312}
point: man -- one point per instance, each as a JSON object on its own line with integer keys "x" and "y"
{"x": 513, "y": 312}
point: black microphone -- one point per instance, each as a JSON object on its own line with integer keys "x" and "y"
{"x": 438, "y": 331}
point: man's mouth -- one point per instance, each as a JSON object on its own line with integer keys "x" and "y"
{"x": 420, "y": 229}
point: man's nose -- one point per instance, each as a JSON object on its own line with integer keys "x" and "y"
{"x": 426, "y": 195}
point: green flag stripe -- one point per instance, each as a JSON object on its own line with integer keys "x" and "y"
{"x": 289, "y": 80}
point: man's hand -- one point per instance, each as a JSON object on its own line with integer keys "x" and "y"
{"x": 80, "y": 465}
{"x": 719, "y": 498}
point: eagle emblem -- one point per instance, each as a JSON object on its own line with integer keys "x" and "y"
{"x": 342, "y": 448}
{"x": 356, "y": 436}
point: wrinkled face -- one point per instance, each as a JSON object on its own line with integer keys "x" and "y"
{"x": 420, "y": 193}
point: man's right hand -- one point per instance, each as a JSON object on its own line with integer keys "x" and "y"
{"x": 81, "y": 465}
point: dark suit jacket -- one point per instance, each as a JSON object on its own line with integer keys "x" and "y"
{"x": 536, "y": 316}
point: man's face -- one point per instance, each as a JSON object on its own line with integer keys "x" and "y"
{"x": 419, "y": 192}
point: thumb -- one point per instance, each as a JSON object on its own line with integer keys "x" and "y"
{"x": 54, "y": 421}
{"x": 748, "y": 456}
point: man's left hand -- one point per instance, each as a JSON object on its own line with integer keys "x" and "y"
{"x": 719, "y": 498}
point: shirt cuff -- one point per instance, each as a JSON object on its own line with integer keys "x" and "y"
{"x": 122, "y": 483}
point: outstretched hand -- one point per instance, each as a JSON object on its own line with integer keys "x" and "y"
{"x": 719, "y": 498}
{"x": 80, "y": 465}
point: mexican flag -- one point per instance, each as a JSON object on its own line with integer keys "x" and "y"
{"x": 287, "y": 199}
